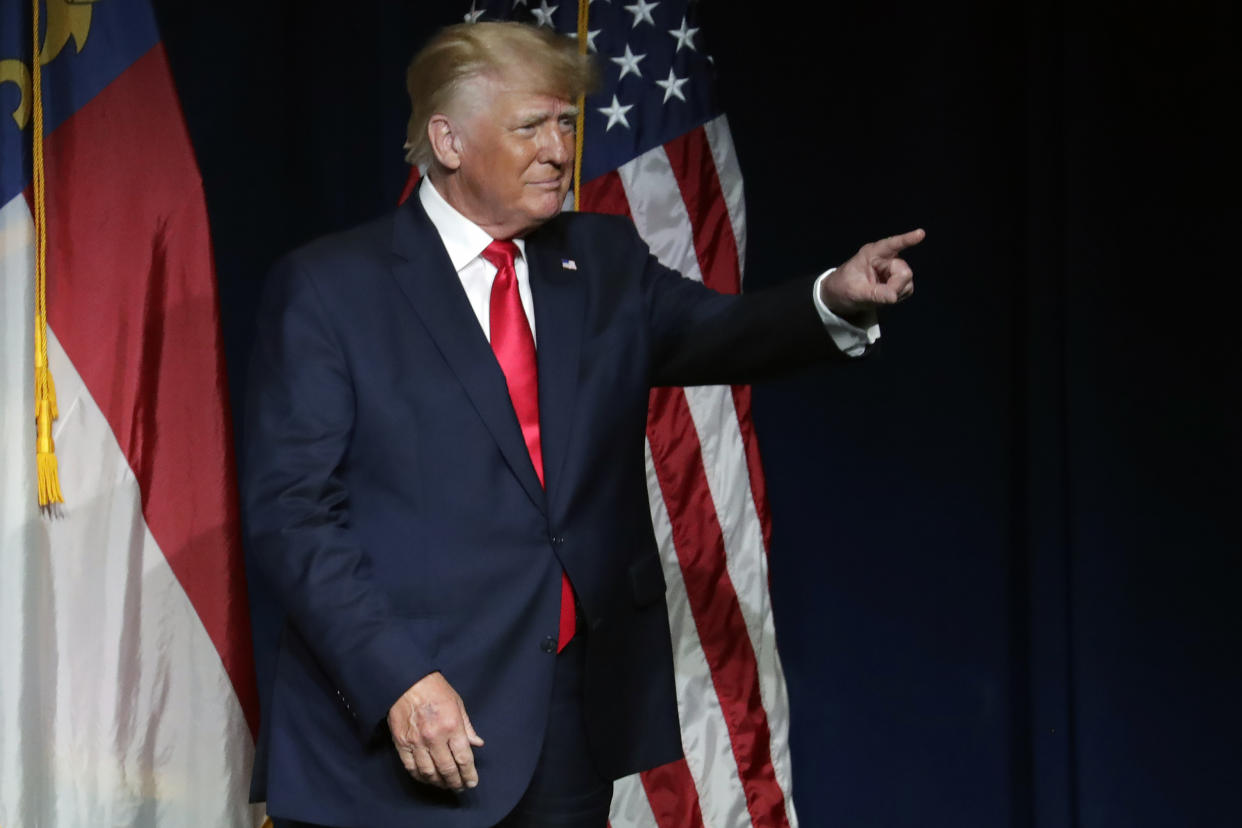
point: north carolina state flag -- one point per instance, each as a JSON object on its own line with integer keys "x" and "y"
{"x": 126, "y": 686}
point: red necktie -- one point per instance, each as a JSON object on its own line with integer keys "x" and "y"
{"x": 515, "y": 351}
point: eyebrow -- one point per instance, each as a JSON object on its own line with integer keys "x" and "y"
{"x": 543, "y": 115}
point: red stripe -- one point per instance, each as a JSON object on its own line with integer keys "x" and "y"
{"x": 695, "y": 170}
{"x": 715, "y": 246}
{"x": 672, "y": 796}
{"x": 132, "y": 297}
{"x": 605, "y": 194}
{"x": 699, "y": 541}
{"x": 754, "y": 463}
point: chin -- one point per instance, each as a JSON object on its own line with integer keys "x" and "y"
{"x": 548, "y": 206}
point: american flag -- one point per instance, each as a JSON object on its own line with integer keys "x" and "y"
{"x": 657, "y": 148}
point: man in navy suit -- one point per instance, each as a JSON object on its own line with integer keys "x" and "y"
{"x": 444, "y": 480}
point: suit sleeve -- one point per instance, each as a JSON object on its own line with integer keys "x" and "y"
{"x": 701, "y": 337}
{"x": 299, "y": 419}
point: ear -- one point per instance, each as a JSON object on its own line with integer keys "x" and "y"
{"x": 445, "y": 141}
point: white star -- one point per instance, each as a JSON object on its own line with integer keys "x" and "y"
{"x": 628, "y": 63}
{"x": 590, "y": 38}
{"x": 642, "y": 12}
{"x": 685, "y": 36}
{"x": 474, "y": 14}
{"x": 543, "y": 15}
{"x": 672, "y": 86}
{"x": 616, "y": 114}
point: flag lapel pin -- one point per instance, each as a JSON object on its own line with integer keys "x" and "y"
{"x": 569, "y": 264}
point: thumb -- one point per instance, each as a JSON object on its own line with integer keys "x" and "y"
{"x": 475, "y": 739}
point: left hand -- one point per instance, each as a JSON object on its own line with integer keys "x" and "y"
{"x": 874, "y": 276}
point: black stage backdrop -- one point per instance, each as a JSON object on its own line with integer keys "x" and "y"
{"x": 1006, "y": 557}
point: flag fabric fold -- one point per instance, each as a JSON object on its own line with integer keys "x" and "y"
{"x": 126, "y": 687}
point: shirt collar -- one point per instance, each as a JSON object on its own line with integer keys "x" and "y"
{"x": 463, "y": 239}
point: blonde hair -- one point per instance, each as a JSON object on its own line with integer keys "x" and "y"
{"x": 541, "y": 59}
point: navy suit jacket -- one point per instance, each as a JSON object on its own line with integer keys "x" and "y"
{"x": 393, "y": 510}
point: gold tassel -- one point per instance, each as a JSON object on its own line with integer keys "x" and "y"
{"x": 45, "y": 386}
{"x": 46, "y": 408}
{"x": 49, "y": 473}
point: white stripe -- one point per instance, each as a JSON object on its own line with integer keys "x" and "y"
{"x": 19, "y": 513}
{"x": 659, "y": 213}
{"x": 630, "y": 808}
{"x": 115, "y": 708}
{"x": 662, "y": 219}
{"x": 730, "y": 174}
{"x": 17, "y": 428}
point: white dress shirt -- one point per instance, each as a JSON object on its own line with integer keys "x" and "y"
{"x": 465, "y": 241}
{"x": 851, "y": 339}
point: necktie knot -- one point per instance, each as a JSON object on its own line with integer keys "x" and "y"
{"x": 501, "y": 253}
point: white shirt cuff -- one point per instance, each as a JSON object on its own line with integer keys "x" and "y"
{"x": 851, "y": 339}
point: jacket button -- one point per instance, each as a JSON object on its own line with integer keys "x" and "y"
{"x": 548, "y": 645}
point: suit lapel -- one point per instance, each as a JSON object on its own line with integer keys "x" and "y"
{"x": 426, "y": 277}
{"x": 559, "y": 307}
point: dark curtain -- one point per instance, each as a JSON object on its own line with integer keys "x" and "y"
{"x": 1006, "y": 552}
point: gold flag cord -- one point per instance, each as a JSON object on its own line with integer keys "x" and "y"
{"x": 583, "y": 7}
{"x": 45, "y": 388}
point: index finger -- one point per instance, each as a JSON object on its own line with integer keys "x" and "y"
{"x": 887, "y": 248}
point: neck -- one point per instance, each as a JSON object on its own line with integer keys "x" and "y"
{"x": 449, "y": 187}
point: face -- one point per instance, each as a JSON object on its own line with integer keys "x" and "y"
{"x": 516, "y": 151}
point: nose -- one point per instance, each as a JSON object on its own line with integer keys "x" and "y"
{"x": 555, "y": 145}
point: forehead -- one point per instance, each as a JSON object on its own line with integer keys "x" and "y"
{"x": 499, "y": 98}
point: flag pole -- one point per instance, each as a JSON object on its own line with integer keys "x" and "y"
{"x": 583, "y": 10}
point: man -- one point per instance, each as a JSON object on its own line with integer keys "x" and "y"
{"x": 444, "y": 479}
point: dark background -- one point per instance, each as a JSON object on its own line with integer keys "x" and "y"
{"x": 1006, "y": 561}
